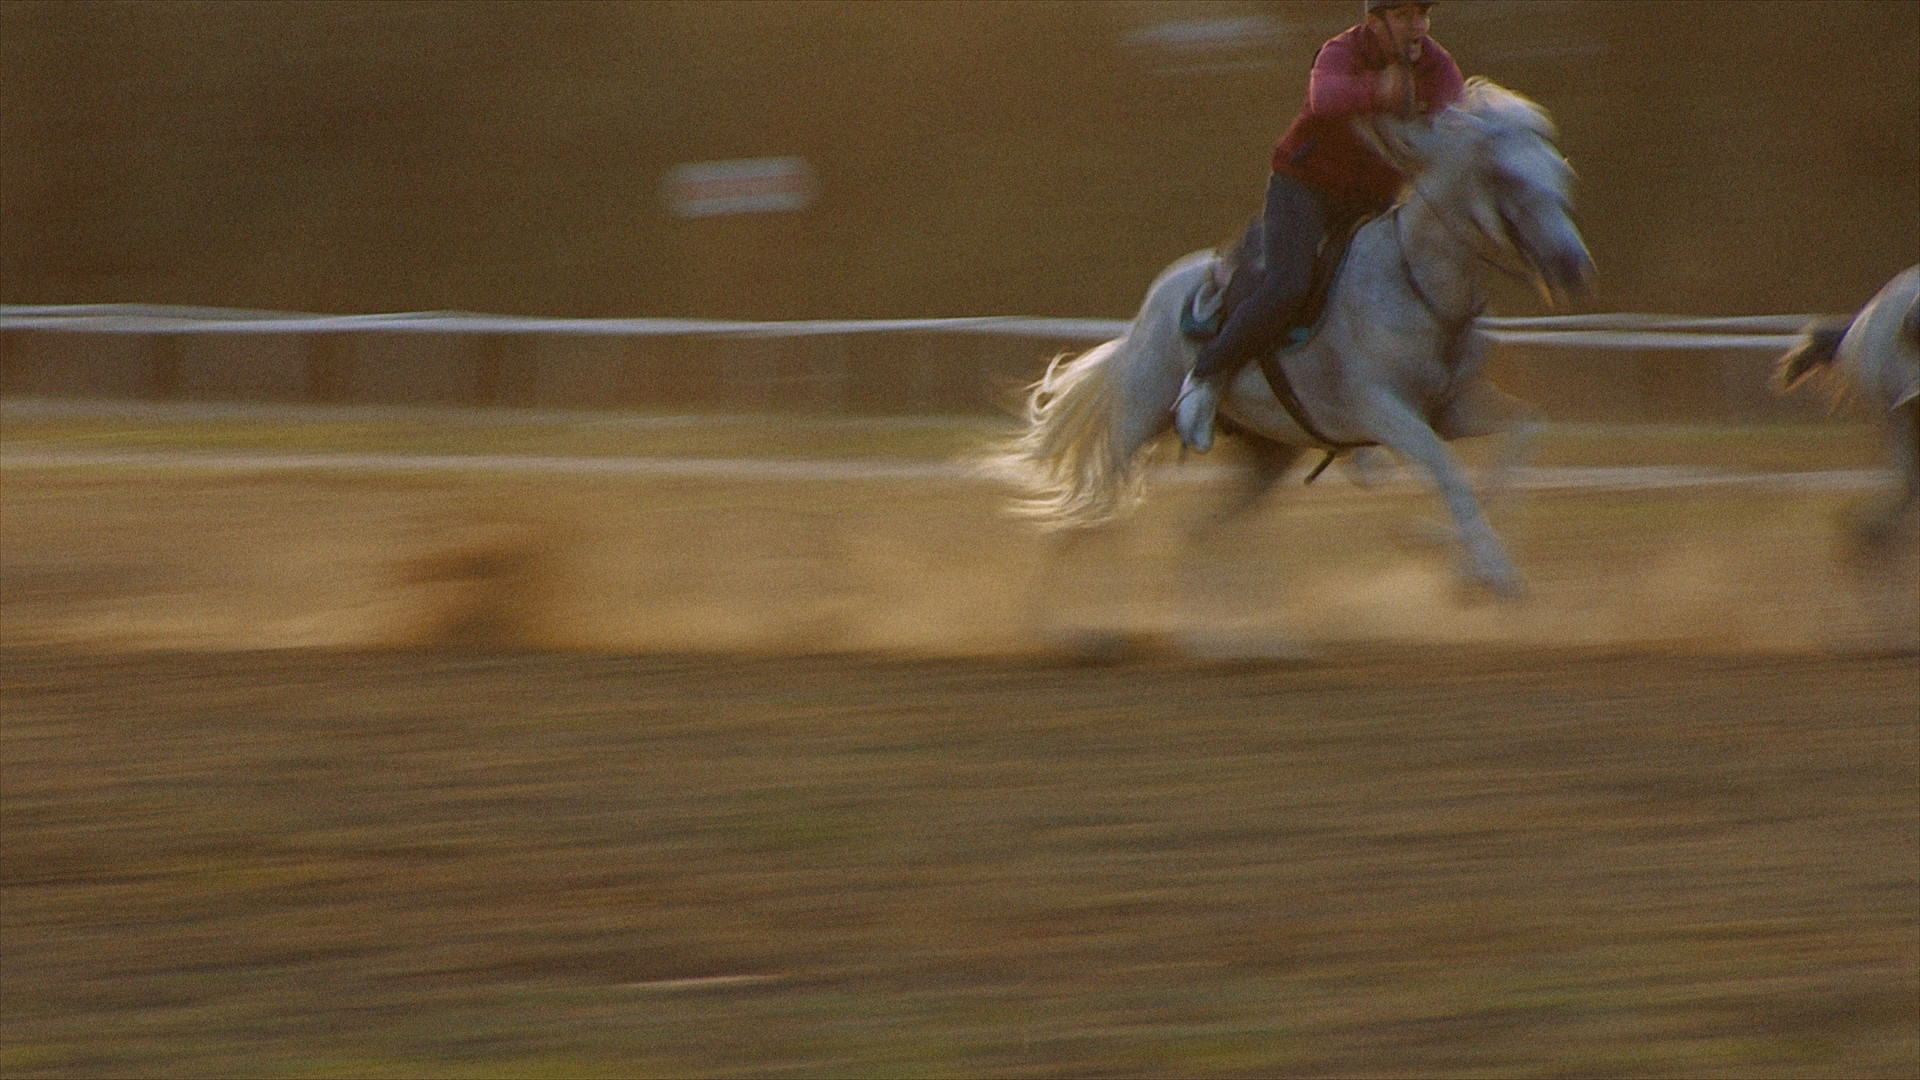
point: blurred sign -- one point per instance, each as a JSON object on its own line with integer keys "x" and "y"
{"x": 740, "y": 186}
{"x": 1209, "y": 46}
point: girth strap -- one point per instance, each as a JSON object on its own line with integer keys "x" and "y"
{"x": 1276, "y": 374}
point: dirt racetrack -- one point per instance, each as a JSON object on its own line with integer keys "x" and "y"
{"x": 1390, "y": 862}
{"x": 403, "y": 773}
{"x": 892, "y": 559}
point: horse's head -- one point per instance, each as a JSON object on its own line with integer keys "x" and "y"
{"x": 1489, "y": 163}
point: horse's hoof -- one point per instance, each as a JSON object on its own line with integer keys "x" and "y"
{"x": 1508, "y": 589}
{"x": 1502, "y": 590}
{"x": 1243, "y": 648}
{"x": 1108, "y": 646}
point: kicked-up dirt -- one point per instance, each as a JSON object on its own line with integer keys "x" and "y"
{"x": 154, "y": 557}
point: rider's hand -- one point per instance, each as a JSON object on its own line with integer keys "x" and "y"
{"x": 1393, "y": 89}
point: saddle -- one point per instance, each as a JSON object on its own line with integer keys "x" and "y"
{"x": 1237, "y": 271}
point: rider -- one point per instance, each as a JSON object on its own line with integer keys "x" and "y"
{"x": 1324, "y": 178}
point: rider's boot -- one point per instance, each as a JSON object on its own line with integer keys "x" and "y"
{"x": 1193, "y": 411}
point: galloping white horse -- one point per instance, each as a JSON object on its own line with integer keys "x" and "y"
{"x": 1395, "y": 361}
{"x": 1878, "y": 353}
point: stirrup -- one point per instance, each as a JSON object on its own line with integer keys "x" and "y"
{"x": 1193, "y": 413}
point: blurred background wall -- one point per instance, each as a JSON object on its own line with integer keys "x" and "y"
{"x": 966, "y": 158}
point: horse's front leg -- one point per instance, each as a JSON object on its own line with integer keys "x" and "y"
{"x": 1399, "y": 427}
{"x": 1485, "y": 409}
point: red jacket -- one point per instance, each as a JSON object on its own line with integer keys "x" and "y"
{"x": 1320, "y": 146}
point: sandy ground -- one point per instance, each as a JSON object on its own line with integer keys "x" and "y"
{"x": 312, "y": 773}
{"x": 1385, "y": 862}
{"x": 801, "y": 558}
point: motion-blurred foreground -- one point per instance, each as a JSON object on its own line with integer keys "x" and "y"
{"x": 600, "y": 766}
{"x": 1393, "y": 864}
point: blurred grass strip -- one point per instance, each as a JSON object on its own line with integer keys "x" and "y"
{"x": 1767, "y": 448}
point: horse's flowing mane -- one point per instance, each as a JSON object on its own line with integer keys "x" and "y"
{"x": 1484, "y": 108}
{"x": 1489, "y": 101}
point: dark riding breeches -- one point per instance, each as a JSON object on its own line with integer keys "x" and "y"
{"x": 1297, "y": 218}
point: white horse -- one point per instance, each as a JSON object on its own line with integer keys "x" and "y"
{"x": 1395, "y": 362}
{"x": 1877, "y": 354}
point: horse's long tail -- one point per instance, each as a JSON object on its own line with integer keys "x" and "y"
{"x": 1066, "y": 459}
{"x": 1813, "y": 352}
{"x": 1077, "y": 459}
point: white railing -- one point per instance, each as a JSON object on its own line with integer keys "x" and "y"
{"x": 1616, "y": 331}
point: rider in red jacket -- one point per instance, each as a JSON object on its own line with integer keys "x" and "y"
{"x": 1324, "y": 177}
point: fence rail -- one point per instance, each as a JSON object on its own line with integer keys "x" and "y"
{"x": 1595, "y": 366}
{"x": 1620, "y": 330}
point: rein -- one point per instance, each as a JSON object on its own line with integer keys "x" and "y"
{"x": 1468, "y": 243}
{"x": 1453, "y": 325}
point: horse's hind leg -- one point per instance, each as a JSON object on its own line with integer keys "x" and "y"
{"x": 1880, "y": 530}
{"x": 1083, "y": 601}
{"x": 1267, "y": 464}
{"x": 1881, "y": 551}
{"x": 1219, "y": 605}
{"x": 1406, "y": 432}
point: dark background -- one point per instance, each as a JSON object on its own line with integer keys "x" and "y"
{"x": 972, "y": 158}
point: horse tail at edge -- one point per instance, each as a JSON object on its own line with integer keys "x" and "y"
{"x": 1065, "y": 458}
{"x": 1812, "y": 353}
{"x": 1077, "y": 458}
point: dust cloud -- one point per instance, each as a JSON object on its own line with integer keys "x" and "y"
{"x": 915, "y": 567}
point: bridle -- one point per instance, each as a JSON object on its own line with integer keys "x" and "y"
{"x": 1452, "y": 324}
{"x": 1455, "y": 324}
